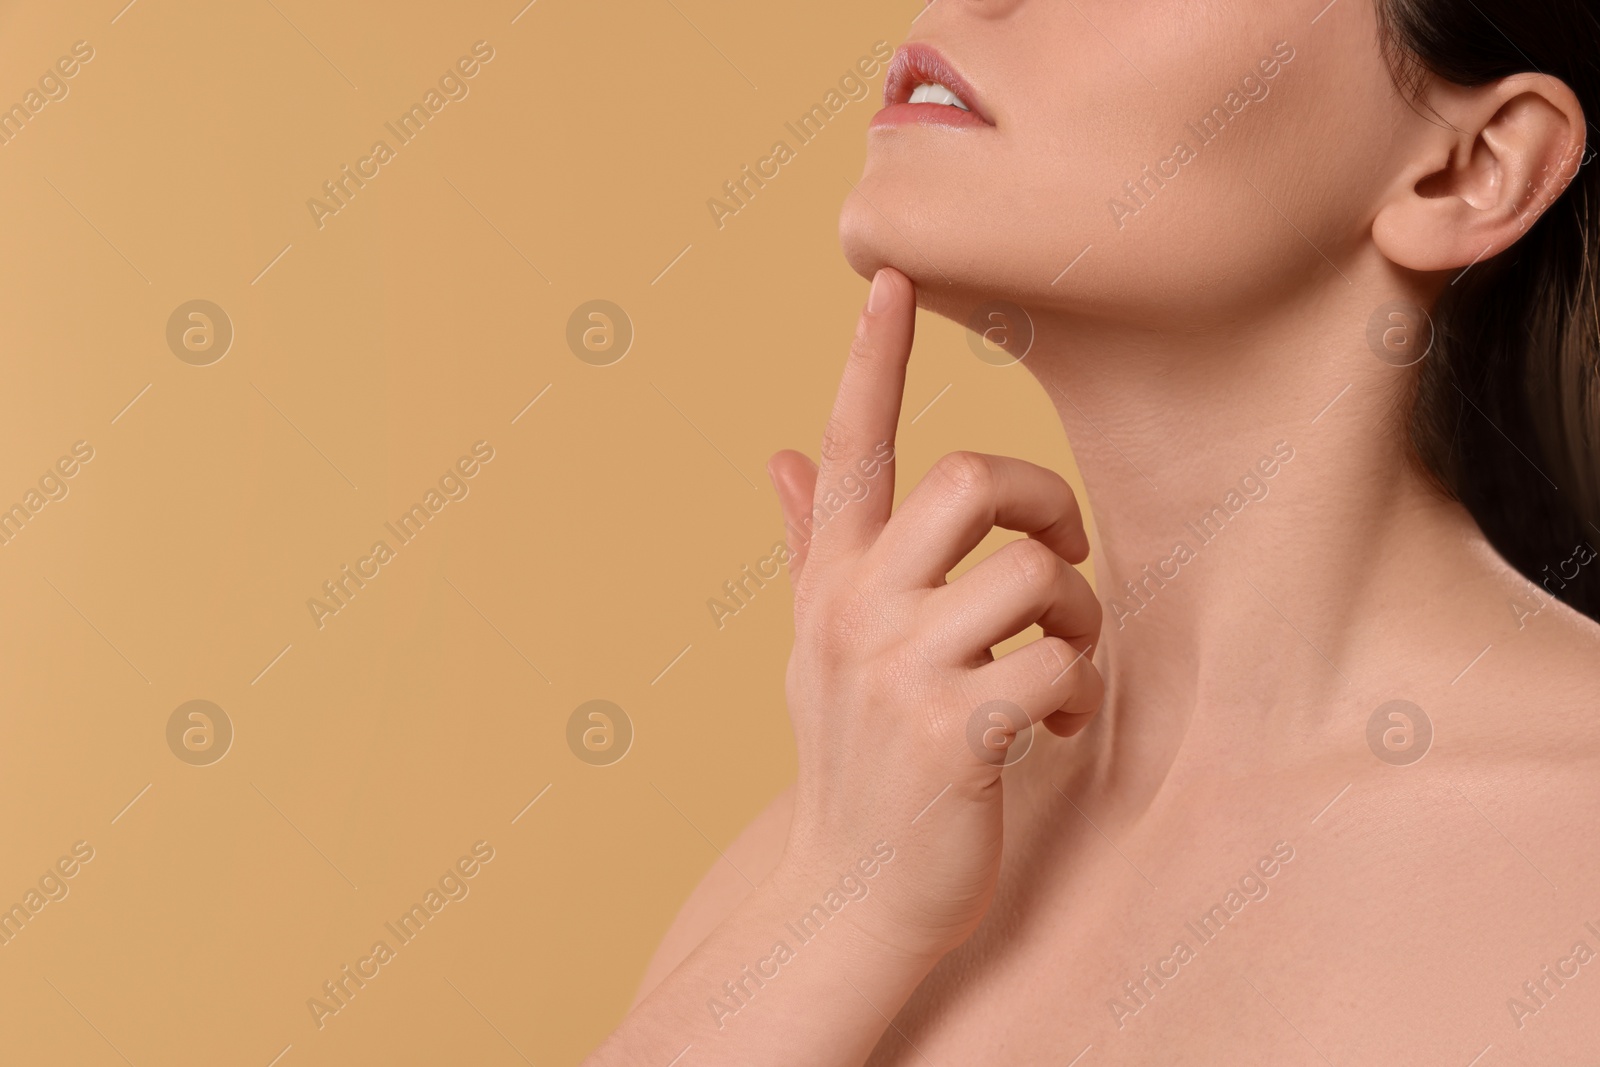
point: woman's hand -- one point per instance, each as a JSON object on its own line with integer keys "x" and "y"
{"x": 902, "y": 716}
{"x": 903, "y": 720}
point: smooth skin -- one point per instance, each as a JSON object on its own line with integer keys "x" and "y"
{"x": 1211, "y": 748}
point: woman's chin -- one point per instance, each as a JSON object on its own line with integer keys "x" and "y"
{"x": 858, "y": 239}
{"x": 870, "y": 241}
{"x": 949, "y": 280}
{"x": 869, "y": 245}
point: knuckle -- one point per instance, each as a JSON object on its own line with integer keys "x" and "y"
{"x": 855, "y": 619}
{"x": 1053, "y": 655}
{"x": 1033, "y": 565}
{"x": 1086, "y": 693}
{"x": 1060, "y": 485}
{"x": 1072, "y": 512}
{"x": 964, "y": 475}
{"x": 837, "y": 444}
{"x": 843, "y": 619}
{"x": 805, "y": 597}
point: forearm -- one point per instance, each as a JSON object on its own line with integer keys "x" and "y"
{"x": 768, "y": 990}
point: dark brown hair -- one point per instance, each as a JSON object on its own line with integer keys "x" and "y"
{"x": 1507, "y": 412}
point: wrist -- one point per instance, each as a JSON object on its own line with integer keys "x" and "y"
{"x": 850, "y": 899}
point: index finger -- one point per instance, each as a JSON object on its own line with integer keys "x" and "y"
{"x": 855, "y": 483}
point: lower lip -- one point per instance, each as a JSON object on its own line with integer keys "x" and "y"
{"x": 926, "y": 115}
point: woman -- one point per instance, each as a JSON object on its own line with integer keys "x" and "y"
{"x": 1319, "y": 779}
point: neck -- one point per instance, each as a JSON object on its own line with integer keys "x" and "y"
{"x": 1257, "y": 524}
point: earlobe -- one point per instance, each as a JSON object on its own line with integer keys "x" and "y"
{"x": 1478, "y": 183}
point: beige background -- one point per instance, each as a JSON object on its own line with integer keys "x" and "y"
{"x": 369, "y": 354}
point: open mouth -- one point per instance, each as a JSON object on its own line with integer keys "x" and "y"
{"x": 935, "y": 93}
{"x": 922, "y": 88}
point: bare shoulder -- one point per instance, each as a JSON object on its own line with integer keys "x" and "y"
{"x": 1530, "y": 716}
{"x": 1546, "y": 675}
{"x": 752, "y": 855}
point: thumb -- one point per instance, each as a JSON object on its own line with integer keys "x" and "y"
{"x": 794, "y": 476}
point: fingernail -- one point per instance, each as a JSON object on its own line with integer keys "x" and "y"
{"x": 879, "y": 294}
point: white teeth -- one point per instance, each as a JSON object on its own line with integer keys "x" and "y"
{"x": 933, "y": 93}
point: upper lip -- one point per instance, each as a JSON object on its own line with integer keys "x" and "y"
{"x": 917, "y": 64}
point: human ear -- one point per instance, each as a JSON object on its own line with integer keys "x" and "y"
{"x": 1486, "y": 166}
